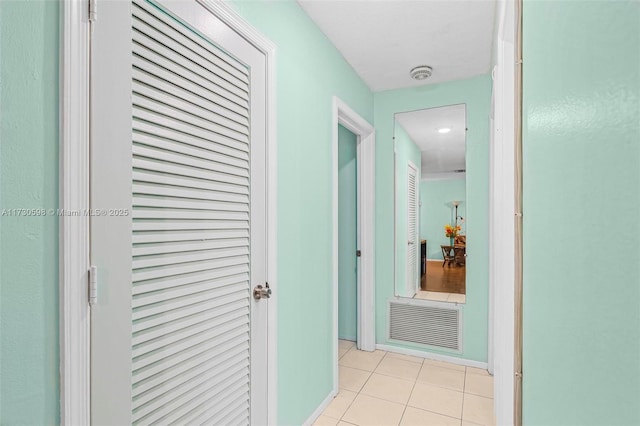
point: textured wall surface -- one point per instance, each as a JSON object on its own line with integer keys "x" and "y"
{"x": 581, "y": 210}
{"x": 310, "y": 71}
{"x": 28, "y": 245}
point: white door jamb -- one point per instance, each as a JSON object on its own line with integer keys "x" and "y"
{"x": 74, "y": 229}
{"x": 501, "y": 217}
{"x": 343, "y": 114}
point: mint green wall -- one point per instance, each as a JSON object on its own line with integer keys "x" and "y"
{"x": 406, "y": 150}
{"x": 581, "y": 211}
{"x": 29, "y": 245}
{"x": 309, "y": 72}
{"x": 347, "y": 237}
{"x": 476, "y": 93}
{"x": 436, "y": 211}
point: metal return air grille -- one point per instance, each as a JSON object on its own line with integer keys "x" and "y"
{"x": 427, "y": 325}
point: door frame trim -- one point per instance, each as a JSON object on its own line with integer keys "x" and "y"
{"x": 502, "y": 211}
{"x": 365, "y": 132}
{"x": 74, "y": 196}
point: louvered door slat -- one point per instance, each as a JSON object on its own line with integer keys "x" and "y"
{"x": 146, "y": 71}
{"x": 153, "y": 165}
{"x": 177, "y": 236}
{"x": 412, "y": 231}
{"x": 231, "y": 419}
{"x": 190, "y": 256}
{"x": 166, "y": 394}
{"x": 171, "y": 270}
{"x": 161, "y": 339}
{"x": 191, "y": 223}
{"x": 208, "y": 112}
{"x": 147, "y": 317}
{"x": 144, "y": 128}
{"x": 195, "y": 413}
{"x": 157, "y": 384}
{"x": 185, "y": 92}
{"x": 190, "y": 117}
{"x": 185, "y": 246}
{"x": 142, "y": 116}
{"x": 143, "y": 53}
{"x": 173, "y": 146}
{"x": 185, "y": 390}
{"x": 175, "y": 225}
{"x": 142, "y": 213}
{"x": 161, "y": 289}
{"x": 229, "y": 202}
{"x": 190, "y": 195}
{"x": 206, "y": 351}
{"x": 229, "y": 416}
{"x": 166, "y": 354}
{"x": 151, "y": 39}
{"x": 188, "y": 182}
{"x": 195, "y": 405}
{"x": 161, "y": 394}
{"x": 199, "y": 303}
{"x": 186, "y": 38}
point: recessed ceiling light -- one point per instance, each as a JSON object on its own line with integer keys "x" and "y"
{"x": 444, "y": 130}
{"x": 421, "y": 72}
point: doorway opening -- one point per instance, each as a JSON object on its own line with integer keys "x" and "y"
{"x": 344, "y": 116}
{"x": 347, "y": 236}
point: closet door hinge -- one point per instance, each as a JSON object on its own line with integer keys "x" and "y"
{"x": 93, "y": 285}
{"x": 93, "y": 15}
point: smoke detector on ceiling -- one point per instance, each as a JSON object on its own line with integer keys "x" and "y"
{"x": 421, "y": 72}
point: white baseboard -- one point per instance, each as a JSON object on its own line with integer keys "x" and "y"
{"x": 318, "y": 411}
{"x": 435, "y": 260}
{"x": 435, "y": 357}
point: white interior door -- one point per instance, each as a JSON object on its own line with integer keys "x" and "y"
{"x": 413, "y": 283}
{"x": 178, "y": 186}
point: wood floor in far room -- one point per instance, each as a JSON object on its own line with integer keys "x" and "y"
{"x": 450, "y": 279}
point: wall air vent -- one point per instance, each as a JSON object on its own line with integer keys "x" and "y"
{"x": 426, "y": 323}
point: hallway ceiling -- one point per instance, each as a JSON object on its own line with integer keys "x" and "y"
{"x": 384, "y": 40}
{"x": 442, "y": 155}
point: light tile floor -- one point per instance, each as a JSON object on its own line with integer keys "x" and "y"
{"x": 441, "y": 297}
{"x": 385, "y": 388}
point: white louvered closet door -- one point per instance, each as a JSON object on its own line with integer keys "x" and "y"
{"x": 412, "y": 229}
{"x": 178, "y": 164}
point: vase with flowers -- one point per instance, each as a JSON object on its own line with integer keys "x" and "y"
{"x": 451, "y": 232}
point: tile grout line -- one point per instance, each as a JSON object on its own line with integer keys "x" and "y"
{"x": 431, "y": 411}
{"x": 362, "y": 387}
{"x": 357, "y": 393}
{"x": 422, "y": 363}
{"x": 411, "y": 393}
{"x": 464, "y": 391}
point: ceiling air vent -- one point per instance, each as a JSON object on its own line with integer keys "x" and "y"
{"x": 421, "y": 72}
